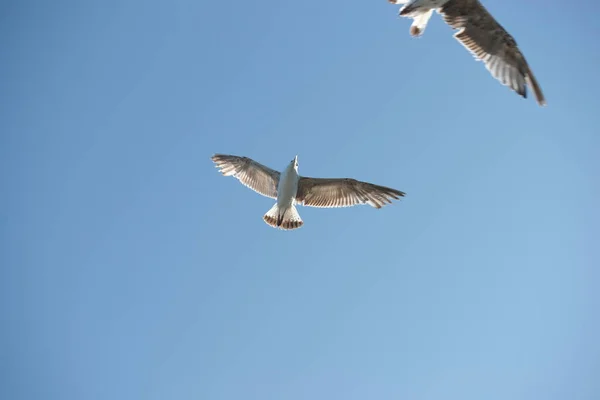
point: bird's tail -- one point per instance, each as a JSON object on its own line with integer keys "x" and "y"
{"x": 286, "y": 219}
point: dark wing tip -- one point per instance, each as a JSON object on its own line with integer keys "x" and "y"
{"x": 400, "y": 193}
{"x": 522, "y": 91}
{"x": 396, "y": 194}
{"x": 227, "y": 157}
{"x": 217, "y": 157}
{"x": 386, "y": 195}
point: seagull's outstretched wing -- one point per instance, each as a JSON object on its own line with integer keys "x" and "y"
{"x": 345, "y": 192}
{"x": 489, "y": 42}
{"x": 256, "y": 176}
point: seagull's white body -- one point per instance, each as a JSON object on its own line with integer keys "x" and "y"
{"x": 284, "y": 213}
{"x": 290, "y": 189}
{"x": 288, "y": 185}
{"x": 482, "y": 35}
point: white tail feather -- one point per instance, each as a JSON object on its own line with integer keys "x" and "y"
{"x": 288, "y": 219}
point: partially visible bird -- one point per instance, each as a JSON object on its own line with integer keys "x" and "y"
{"x": 289, "y": 189}
{"x": 482, "y": 35}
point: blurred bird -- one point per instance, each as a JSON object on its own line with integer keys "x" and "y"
{"x": 482, "y": 35}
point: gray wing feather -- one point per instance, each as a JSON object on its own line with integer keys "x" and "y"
{"x": 250, "y": 173}
{"x": 344, "y": 192}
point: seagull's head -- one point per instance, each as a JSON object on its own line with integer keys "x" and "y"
{"x": 294, "y": 163}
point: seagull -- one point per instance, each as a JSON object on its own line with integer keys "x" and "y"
{"x": 290, "y": 189}
{"x": 482, "y": 35}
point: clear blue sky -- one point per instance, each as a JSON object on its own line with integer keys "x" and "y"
{"x": 131, "y": 269}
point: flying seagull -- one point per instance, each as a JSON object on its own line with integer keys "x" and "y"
{"x": 289, "y": 189}
{"x": 482, "y": 35}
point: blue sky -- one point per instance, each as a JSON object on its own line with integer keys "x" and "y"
{"x": 131, "y": 269}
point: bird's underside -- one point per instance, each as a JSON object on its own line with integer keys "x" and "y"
{"x": 311, "y": 192}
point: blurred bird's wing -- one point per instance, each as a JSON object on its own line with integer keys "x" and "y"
{"x": 489, "y": 42}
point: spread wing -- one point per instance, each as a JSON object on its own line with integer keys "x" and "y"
{"x": 256, "y": 176}
{"x": 345, "y": 192}
{"x": 489, "y": 42}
